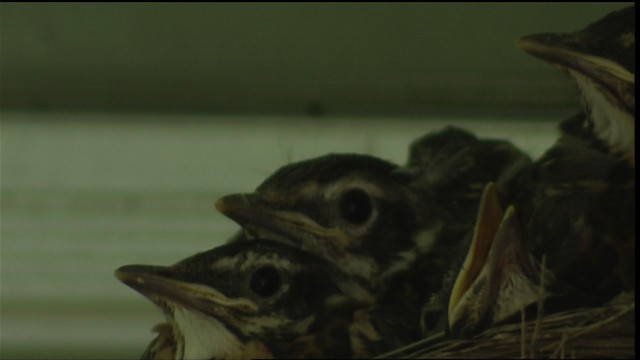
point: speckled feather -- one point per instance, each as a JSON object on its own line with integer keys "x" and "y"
{"x": 577, "y": 202}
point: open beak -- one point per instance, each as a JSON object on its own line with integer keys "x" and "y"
{"x": 569, "y": 53}
{"x": 164, "y": 285}
{"x": 262, "y": 218}
{"x": 498, "y": 277}
{"x": 489, "y": 216}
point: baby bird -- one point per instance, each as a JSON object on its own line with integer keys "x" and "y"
{"x": 577, "y": 202}
{"x": 253, "y": 299}
{"x": 352, "y": 210}
{"x": 377, "y": 221}
{"x": 499, "y": 276}
{"x": 575, "y": 205}
{"x": 601, "y": 59}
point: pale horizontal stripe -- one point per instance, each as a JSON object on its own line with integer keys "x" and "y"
{"x": 89, "y": 332}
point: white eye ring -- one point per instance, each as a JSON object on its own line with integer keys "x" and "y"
{"x": 357, "y": 214}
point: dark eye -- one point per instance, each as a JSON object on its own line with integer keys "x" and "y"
{"x": 355, "y": 206}
{"x": 265, "y": 281}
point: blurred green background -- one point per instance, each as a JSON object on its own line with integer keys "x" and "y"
{"x": 122, "y": 123}
{"x": 284, "y": 58}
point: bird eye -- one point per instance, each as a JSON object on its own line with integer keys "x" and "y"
{"x": 355, "y": 206}
{"x": 265, "y": 281}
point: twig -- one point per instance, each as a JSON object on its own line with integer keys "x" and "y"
{"x": 540, "y": 306}
{"x": 600, "y": 332}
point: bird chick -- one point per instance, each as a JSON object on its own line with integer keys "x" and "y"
{"x": 352, "y": 210}
{"x": 576, "y": 203}
{"x": 499, "y": 277}
{"x": 601, "y": 59}
{"x": 374, "y": 219}
{"x": 253, "y": 299}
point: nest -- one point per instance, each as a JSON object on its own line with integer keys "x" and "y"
{"x": 602, "y": 332}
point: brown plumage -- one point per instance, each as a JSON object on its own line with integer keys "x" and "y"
{"x": 577, "y": 202}
{"x": 254, "y": 299}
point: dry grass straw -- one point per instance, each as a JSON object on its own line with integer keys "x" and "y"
{"x": 602, "y": 332}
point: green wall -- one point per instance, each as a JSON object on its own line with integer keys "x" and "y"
{"x": 293, "y": 58}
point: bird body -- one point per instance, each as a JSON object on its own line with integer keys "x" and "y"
{"x": 574, "y": 206}
{"x": 392, "y": 230}
{"x": 577, "y": 202}
{"x": 373, "y": 219}
{"x": 364, "y": 256}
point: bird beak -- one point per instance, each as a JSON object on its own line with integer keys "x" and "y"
{"x": 569, "y": 53}
{"x": 163, "y": 284}
{"x": 487, "y": 223}
{"x": 263, "y": 219}
{"x": 497, "y": 277}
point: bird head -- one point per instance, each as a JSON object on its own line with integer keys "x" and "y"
{"x": 248, "y": 299}
{"x": 374, "y": 220}
{"x": 353, "y": 210}
{"x": 499, "y": 277}
{"x": 601, "y": 59}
